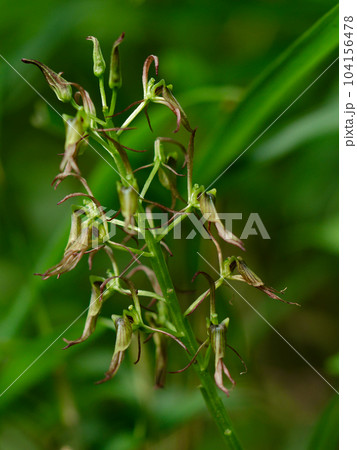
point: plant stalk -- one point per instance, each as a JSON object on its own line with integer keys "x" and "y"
{"x": 184, "y": 331}
{"x": 183, "y": 328}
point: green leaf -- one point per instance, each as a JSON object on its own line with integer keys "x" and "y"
{"x": 28, "y": 361}
{"x": 325, "y": 435}
{"x": 319, "y": 123}
{"x": 270, "y": 95}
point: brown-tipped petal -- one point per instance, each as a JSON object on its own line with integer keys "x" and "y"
{"x": 146, "y": 68}
{"x": 241, "y": 359}
{"x": 174, "y": 105}
{"x": 173, "y": 171}
{"x": 167, "y": 248}
{"x": 173, "y": 141}
{"x": 61, "y": 176}
{"x": 192, "y": 360}
{"x": 103, "y": 130}
{"x": 87, "y": 102}
{"x": 218, "y": 377}
{"x": 228, "y": 236}
{"x": 113, "y": 368}
{"x": 139, "y": 349}
{"x": 249, "y": 277}
{"x": 94, "y": 309}
{"x": 177, "y": 113}
{"x": 166, "y": 333}
{"x": 68, "y": 263}
{"x": 148, "y": 118}
{"x": 272, "y": 294}
{"x": 59, "y": 85}
{"x": 228, "y": 375}
{"x": 165, "y": 208}
{"x": 133, "y": 149}
{"x": 127, "y": 108}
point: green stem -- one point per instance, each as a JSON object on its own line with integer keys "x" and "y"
{"x": 184, "y": 330}
{"x": 103, "y": 95}
{"x": 172, "y": 225}
{"x": 194, "y": 305}
{"x": 132, "y": 116}
{"x": 113, "y": 101}
{"x": 150, "y": 178}
{"x": 110, "y": 148}
{"x": 129, "y": 249}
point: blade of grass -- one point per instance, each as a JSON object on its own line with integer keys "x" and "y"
{"x": 325, "y": 434}
{"x": 273, "y": 90}
{"x": 26, "y": 363}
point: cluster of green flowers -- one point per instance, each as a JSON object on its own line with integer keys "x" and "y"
{"x": 89, "y": 231}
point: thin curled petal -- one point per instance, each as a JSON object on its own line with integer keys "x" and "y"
{"x": 146, "y": 67}
{"x": 192, "y": 360}
{"x": 241, "y": 359}
{"x": 166, "y": 333}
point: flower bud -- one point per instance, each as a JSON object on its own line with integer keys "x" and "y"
{"x": 115, "y": 79}
{"x": 128, "y": 198}
{"x": 59, "y": 85}
{"x": 98, "y": 60}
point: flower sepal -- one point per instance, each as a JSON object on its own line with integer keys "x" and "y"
{"x": 57, "y": 83}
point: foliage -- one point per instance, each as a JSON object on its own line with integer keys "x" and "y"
{"x": 281, "y": 177}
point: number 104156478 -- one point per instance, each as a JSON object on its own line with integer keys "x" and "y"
{"x": 348, "y": 50}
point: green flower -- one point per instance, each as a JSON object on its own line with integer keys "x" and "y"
{"x": 218, "y": 340}
{"x": 59, "y": 85}
{"x": 208, "y": 209}
{"x": 124, "y": 333}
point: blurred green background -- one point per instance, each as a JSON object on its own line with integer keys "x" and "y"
{"x": 211, "y": 52}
